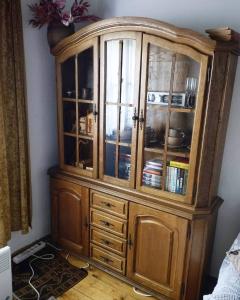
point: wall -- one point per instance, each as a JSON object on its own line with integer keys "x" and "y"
{"x": 200, "y": 15}
{"x": 40, "y": 77}
{"x": 42, "y": 123}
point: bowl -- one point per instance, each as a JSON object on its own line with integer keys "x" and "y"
{"x": 175, "y": 141}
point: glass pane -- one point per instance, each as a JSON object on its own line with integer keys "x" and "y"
{"x": 185, "y": 83}
{"x": 113, "y": 69}
{"x": 180, "y": 131}
{"x": 159, "y": 75}
{"x": 126, "y": 124}
{"x": 153, "y": 170}
{"x": 86, "y": 154}
{"x": 85, "y": 74}
{"x": 68, "y": 78}
{"x": 177, "y": 175}
{"x": 86, "y": 119}
{"x": 110, "y": 156}
{"x": 69, "y": 150}
{"x": 69, "y": 117}
{"x": 124, "y": 163}
{"x": 111, "y": 122}
{"x": 128, "y": 71}
{"x": 155, "y": 127}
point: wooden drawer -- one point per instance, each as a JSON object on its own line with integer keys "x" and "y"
{"x": 114, "y": 205}
{"x": 108, "y": 241}
{"x": 106, "y": 258}
{"x": 111, "y": 224}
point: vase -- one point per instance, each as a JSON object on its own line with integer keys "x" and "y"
{"x": 57, "y": 31}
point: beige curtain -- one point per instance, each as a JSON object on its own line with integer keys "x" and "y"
{"x": 14, "y": 168}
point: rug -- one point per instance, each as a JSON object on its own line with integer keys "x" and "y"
{"x": 52, "y": 278}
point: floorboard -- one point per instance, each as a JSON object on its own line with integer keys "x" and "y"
{"x": 100, "y": 286}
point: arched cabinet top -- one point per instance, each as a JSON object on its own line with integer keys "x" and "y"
{"x": 140, "y": 24}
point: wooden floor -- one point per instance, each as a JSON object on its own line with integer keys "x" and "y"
{"x": 99, "y": 286}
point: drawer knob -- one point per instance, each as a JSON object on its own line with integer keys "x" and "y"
{"x": 106, "y": 242}
{"x": 107, "y": 204}
{"x": 105, "y": 223}
{"x": 106, "y": 260}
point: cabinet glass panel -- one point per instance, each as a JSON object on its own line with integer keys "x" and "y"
{"x": 126, "y": 122}
{"x": 185, "y": 82}
{"x": 111, "y": 122}
{"x": 110, "y": 153}
{"x": 68, "y": 78}
{"x": 69, "y": 117}
{"x": 176, "y": 174}
{"x": 171, "y": 96}
{"x": 153, "y": 170}
{"x": 119, "y": 99}
{"x": 85, "y": 74}
{"x": 85, "y": 154}
{"x": 70, "y": 150}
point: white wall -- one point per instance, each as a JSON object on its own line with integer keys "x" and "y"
{"x": 40, "y": 77}
{"x": 200, "y": 15}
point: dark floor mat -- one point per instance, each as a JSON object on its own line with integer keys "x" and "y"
{"x": 52, "y": 278}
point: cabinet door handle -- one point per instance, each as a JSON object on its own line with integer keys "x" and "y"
{"x": 107, "y": 204}
{"x": 105, "y": 223}
{"x": 95, "y": 113}
{"x": 135, "y": 117}
{"x": 106, "y": 260}
{"x": 141, "y": 119}
{"x": 130, "y": 241}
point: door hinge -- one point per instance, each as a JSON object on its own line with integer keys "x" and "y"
{"x": 183, "y": 288}
{"x": 189, "y": 231}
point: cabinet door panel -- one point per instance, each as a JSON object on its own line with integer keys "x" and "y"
{"x": 70, "y": 216}
{"x": 156, "y": 251}
{"x": 77, "y": 83}
{"x": 119, "y": 93}
{"x": 171, "y": 104}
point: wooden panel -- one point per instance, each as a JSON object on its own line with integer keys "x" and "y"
{"x": 110, "y": 260}
{"x": 108, "y": 241}
{"x": 156, "y": 252}
{"x": 70, "y": 215}
{"x": 107, "y": 222}
{"x": 113, "y": 205}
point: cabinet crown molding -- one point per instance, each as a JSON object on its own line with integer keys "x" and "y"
{"x": 146, "y": 25}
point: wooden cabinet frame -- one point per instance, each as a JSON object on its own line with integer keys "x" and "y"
{"x": 186, "y": 223}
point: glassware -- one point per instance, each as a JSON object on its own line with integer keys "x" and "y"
{"x": 191, "y": 89}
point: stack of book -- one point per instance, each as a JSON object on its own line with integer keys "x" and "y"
{"x": 177, "y": 176}
{"x": 152, "y": 173}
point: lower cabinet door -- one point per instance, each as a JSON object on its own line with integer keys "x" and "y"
{"x": 156, "y": 249}
{"x": 70, "y": 216}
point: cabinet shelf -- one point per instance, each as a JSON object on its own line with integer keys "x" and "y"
{"x": 81, "y": 136}
{"x": 180, "y": 152}
{"x": 172, "y": 109}
{"x": 119, "y": 143}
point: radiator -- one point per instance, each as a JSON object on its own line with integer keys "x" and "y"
{"x": 5, "y": 274}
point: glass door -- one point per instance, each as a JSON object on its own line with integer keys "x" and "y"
{"x": 78, "y": 110}
{"x": 173, "y": 82}
{"x": 120, "y": 71}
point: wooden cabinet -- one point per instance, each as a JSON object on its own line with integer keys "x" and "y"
{"x": 70, "y": 216}
{"x": 156, "y": 249}
{"x": 142, "y": 117}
